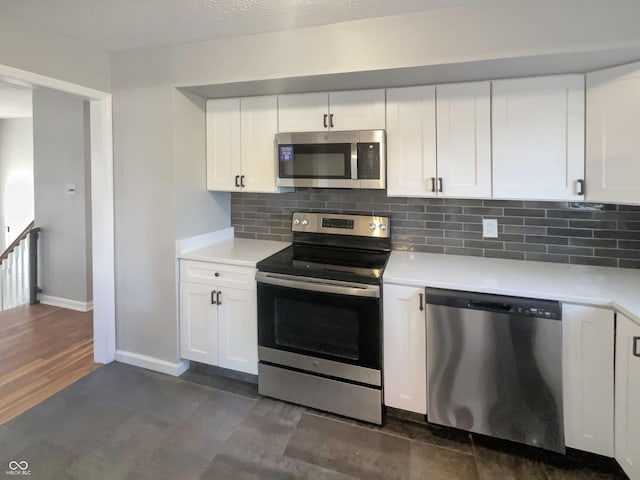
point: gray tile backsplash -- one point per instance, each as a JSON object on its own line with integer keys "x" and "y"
{"x": 564, "y": 232}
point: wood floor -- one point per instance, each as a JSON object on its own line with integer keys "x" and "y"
{"x": 43, "y": 349}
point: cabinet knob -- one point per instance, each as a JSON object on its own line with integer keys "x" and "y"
{"x": 216, "y": 274}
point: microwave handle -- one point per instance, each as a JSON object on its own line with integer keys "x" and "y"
{"x": 354, "y": 161}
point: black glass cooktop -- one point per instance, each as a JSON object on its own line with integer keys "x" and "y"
{"x": 346, "y": 264}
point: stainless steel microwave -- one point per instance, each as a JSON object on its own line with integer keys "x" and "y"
{"x": 353, "y": 159}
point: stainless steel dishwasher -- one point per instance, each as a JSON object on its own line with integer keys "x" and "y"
{"x": 494, "y": 366}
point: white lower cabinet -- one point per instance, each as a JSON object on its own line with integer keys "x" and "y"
{"x": 405, "y": 348}
{"x": 218, "y": 317}
{"x": 628, "y": 396}
{"x": 588, "y": 355}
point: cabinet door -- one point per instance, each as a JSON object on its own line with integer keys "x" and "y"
{"x": 613, "y": 135}
{"x": 357, "y": 110}
{"x": 258, "y": 127}
{"x": 198, "y": 324}
{"x": 306, "y": 112}
{"x": 587, "y": 341}
{"x": 463, "y": 113}
{"x": 405, "y": 349}
{"x": 628, "y": 396}
{"x": 538, "y": 137}
{"x": 223, "y": 144}
{"x": 238, "y": 330}
{"x": 411, "y": 141}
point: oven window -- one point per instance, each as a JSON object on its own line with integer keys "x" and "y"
{"x": 320, "y": 329}
{"x": 331, "y": 160}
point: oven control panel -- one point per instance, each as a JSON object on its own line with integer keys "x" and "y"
{"x": 358, "y": 225}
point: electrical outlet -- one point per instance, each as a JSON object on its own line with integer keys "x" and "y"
{"x": 490, "y": 227}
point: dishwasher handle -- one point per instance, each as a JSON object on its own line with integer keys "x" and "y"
{"x": 490, "y": 306}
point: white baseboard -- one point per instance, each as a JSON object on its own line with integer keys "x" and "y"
{"x": 66, "y": 303}
{"x": 152, "y": 363}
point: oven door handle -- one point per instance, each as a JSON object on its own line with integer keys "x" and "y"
{"x": 319, "y": 285}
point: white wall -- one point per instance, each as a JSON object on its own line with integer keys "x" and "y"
{"x": 62, "y": 157}
{"x": 16, "y": 177}
{"x": 36, "y": 49}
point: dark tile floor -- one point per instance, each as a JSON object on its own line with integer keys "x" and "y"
{"x": 122, "y": 422}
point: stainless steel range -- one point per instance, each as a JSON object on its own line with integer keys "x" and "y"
{"x": 319, "y": 315}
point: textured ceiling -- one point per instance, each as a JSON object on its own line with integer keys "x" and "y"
{"x": 126, "y": 24}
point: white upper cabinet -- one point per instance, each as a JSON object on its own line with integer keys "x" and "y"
{"x": 411, "y": 142}
{"x": 463, "y": 127}
{"x": 405, "y": 349}
{"x": 306, "y": 112}
{"x": 223, "y": 143}
{"x": 241, "y": 144}
{"x": 628, "y": 396}
{"x": 357, "y": 110}
{"x": 439, "y": 141}
{"x": 258, "y": 128}
{"x": 613, "y": 135}
{"x": 587, "y": 378}
{"x": 314, "y": 112}
{"x": 538, "y": 138}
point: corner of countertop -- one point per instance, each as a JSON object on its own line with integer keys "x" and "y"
{"x": 185, "y": 245}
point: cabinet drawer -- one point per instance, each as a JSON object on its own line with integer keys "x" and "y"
{"x": 217, "y": 274}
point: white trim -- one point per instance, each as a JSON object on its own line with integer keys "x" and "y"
{"x": 104, "y": 319}
{"x": 152, "y": 363}
{"x": 185, "y": 245}
{"x": 66, "y": 303}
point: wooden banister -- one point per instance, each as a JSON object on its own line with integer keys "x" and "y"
{"x": 17, "y": 241}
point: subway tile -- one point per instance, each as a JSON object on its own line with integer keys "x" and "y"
{"x": 447, "y": 242}
{"x": 244, "y": 235}
{"x": 270, "y": 209}
{"x": 341, "y": 205}
{"x": 396, "y": 215}
{"x": 464, "y": 202}
{"x": 445, "y": 225}
{"x": 510, "y": 237}
{"x": 503, "y": 203}
{"x": 484, "y": 211}
{"x": 546, "y": 205}
{"x": 626, "y": 263}
{"x": 595, "y": 261}
{"x": 546, "y": 240}
{"x": 592, "y": 206}
{"x": 245, "y": 221}
{"x": 494, "y": 245}
{"x": 268, "y": 236}
{"x": 428, "y": 248}
{"x": 411, "y": 223}
{"x": 475, "y": 227}
{"x": 546, "y": 222}
{"x": 443, "y": 209}
{"x": 629, "y": 208}
{"x": 463, "y": 235}
{"x": 526, "y": 247}
{"x": 569, "y": 232}
{"x": 593, "y": 224}
{"x": 432, "y": 217}
{"x": 474, "y": 252}
{"x": 593, "y": 242}
{"x": 268, "y": 223}
{"x": 524, "y": 212}
{"x": 407, "y": 208}
{"x": 622, "y": 225}
{"x": 398, "y": 239}
{"x": 462, "y": 218}
{"x": 617, "y": 253}
{"x": 525, "y": 230}
{"x": 546, "y": 257}
{"x": 419, "y": 232}
{"x": 618, "y": 234}
{"x": 631, "y": 216}
{"x": 566, "y": 250}
{"x": 280, "y": 231}
{"x": 504, "y": 254}
{"x": 567, "y": 213}
{"x": 254, "y": 229}
{"x": 511, "y": 220}
{"x": 629, "y": 244}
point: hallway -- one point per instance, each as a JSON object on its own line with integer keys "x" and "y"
{"x": 43, "y": 349}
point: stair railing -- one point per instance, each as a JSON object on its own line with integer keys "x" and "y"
{"x": 19, "y": 270}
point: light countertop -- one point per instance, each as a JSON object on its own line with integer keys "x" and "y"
{"x": 616, "y": 288}
{"x": 235, "y": 251}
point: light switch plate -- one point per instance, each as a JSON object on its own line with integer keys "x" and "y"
{"x": 490, "y": 227}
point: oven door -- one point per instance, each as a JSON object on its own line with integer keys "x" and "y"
{"x": 323, "y": 326}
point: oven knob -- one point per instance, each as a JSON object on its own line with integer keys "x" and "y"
{"x": 372, "y": 226}
{"x": 296, "y": 221}
{"x": 383, "y": 227}
{"x": 305, "y": 222}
